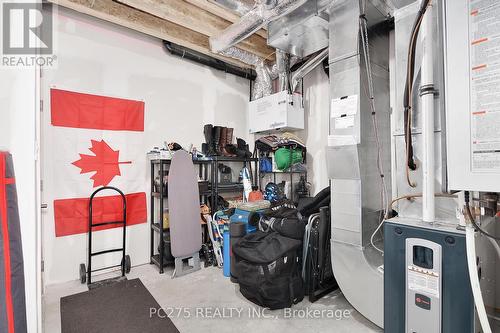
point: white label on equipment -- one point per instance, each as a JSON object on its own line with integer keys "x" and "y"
{"x": 341, "y": 140}
{"x": 422, "y": 280}
{"x": 484, "y": 41}
{"x": 344, "y": 106}
{"x": 344, "y": 122}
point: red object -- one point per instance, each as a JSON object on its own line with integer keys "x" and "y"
{"x": 105, "y": 163}
{"x": 255, "y": 196}
{"x": 77, "y": 110}
{"x": 6, "y": 244}
{"x": 71, "y": 215}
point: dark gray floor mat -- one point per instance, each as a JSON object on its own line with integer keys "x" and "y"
{"x": 123, "y": 307}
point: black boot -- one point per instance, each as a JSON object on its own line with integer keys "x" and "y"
{"x": 243, "y": 150}
{"x": 207, "y": 148}
{"x": 248, "y": 153}
{"x": 216, "y": 140}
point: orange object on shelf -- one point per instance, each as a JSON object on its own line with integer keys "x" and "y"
{"x": 255, "y": 195}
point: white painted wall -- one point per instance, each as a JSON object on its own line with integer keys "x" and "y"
{"x": 317, "y": 107}
{"x": 180, "y": 97}
{"x": 18, "y": 135}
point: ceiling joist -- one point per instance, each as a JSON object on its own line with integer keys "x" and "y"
{"x": 199, "y": 20}
{"x": 221, "y": 12}
{"x": 161, "y": 28}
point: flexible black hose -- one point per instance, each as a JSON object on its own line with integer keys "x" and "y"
{"x": 409, "y": 85}
{"x": 203, "y": 59}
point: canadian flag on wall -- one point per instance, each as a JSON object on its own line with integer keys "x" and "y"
{"x": 98, "y": 142}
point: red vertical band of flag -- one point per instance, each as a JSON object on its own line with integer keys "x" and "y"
{"x": 72, "y": 215}
{"x": 77, "y": 110}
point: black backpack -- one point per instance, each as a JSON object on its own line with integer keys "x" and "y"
{"x": 267, "y": 266}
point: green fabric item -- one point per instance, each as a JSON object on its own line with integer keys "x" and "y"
{"x": 286, "y": 157}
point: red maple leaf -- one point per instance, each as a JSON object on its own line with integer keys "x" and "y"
{"x": 105, "y": 163}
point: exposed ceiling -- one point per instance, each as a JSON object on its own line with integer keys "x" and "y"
{"x": 185, "y": 22}
{"x": 241, "y": 7}
{"x": 188, "y": 23}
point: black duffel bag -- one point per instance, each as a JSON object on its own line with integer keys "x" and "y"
{"x": 267, "y": 265}
{"x": 285, "y": 220}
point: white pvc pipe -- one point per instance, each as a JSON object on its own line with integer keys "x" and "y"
{"x": 474, "y": 279}
{"x": 427, "y": 102}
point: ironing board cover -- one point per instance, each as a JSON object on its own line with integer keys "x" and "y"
{"x": 184, "y": 206}
{"x": 12, "y": 298}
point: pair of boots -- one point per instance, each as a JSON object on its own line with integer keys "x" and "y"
{"x": 218, "y": 141}
{"x": 242, "y": 149}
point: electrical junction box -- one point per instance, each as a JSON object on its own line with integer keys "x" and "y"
{"x": 472, "y": 62}
{"x": 280, "y": 111}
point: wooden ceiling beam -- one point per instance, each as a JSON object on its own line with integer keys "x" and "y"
{"x": 122, "y": 15}
{"x": 219, "y": 11}
{"x": 194, "y": 18}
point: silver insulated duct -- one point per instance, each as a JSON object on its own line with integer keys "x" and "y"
{"x": 281, "y": 70}
{"x": 263, "y": 83}
{"x": 264, "y": 12}
{"x": 265, "y": 74}
{"x": 352, "y": 155}
{"x": 240, "y": 7}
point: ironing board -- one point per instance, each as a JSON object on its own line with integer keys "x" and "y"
{"x": 12, "y": 296}
{"x": 184, "y": 213}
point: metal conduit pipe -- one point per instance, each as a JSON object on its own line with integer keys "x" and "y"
{"x": 263, "y": 13}
{"x": 307, "y": 67}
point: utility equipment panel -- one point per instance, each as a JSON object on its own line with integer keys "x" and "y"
{"x": 280, "y": 111}
{"x": 426, "y": 280}
{"x": 472, "y": 66}
{"x": 423, "y": 286}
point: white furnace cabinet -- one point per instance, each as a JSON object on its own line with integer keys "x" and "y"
{"x": 472, "y": 37}
{"x": 280, "y": 111}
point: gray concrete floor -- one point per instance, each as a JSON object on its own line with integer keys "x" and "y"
{"x": 207, "y": 302}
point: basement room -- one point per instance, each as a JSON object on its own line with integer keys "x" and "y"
{"x": 292, "y": 166}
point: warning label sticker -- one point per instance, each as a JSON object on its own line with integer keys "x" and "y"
{"x": 423, "y": 280}
{"x": 484, "y": 37}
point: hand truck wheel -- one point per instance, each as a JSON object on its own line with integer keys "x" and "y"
{"x": 83, "y": 273}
